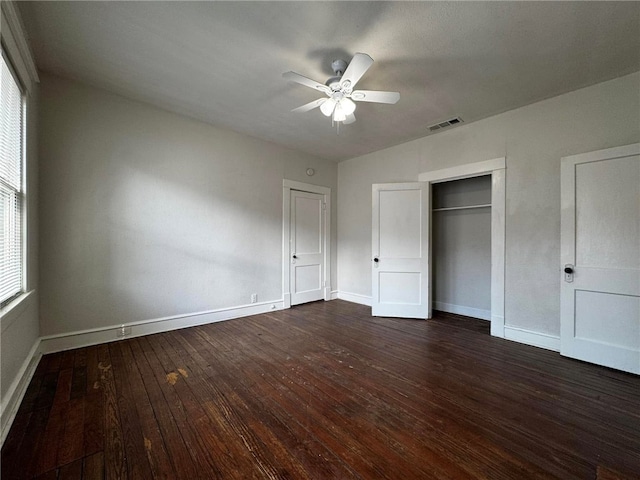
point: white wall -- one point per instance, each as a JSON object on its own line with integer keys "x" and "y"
{"x": 533, "y": 139}
{"x": 148, "y": 214}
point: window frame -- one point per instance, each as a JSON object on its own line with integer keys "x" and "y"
{"x": 21, "y": 192}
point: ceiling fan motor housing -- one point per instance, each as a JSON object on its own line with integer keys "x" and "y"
{"x": 338, "y": 67}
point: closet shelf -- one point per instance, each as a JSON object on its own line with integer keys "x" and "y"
{"x": 447, "y": 209}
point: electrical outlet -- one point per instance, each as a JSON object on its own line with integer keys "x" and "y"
{"x": 254, "y": 297}
{"x": 123, "y": 331}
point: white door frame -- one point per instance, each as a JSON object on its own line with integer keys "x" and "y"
{"x": 287, "y": 186}
{"x": 497, "y": 169}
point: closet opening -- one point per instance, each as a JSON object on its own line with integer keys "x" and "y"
{"x": 461, "y": 246}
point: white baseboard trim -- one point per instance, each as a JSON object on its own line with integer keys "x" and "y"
{"x": 497, "y": 326}
{"x": 84, "y": 338}
{"x": 355, "y": 298}
{"x": 334, "y": 295}
{"x": 462, "y": 310}
{"x": 536, "y": 339}
{"x": 17, "y": 389}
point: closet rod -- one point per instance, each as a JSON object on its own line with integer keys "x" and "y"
{"x": 446, "y": 209}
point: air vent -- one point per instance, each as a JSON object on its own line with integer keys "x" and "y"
{"x": 448, "y": 123}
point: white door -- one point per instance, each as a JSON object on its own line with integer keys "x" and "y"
{"x": 600, "y": 255}
{"x": 400, "y": 248}
{"x": 307, "y": 274}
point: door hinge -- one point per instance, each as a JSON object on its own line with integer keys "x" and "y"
{"x": 324, "y": 206}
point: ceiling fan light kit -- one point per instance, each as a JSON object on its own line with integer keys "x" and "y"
{"x": 340, "y": 102}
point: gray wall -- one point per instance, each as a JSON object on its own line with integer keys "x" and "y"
{"x": 461, "y": 245}
{"x": 533, "y": 139}
{"x": 148, "y": 214}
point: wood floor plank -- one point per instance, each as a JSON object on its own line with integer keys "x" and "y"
{"x": 13, "y": 449}
{"x": 265, "y": 449}
{"x": 23, "y": 464}
{"x": 132, "y": 436}
{"x": 204, "y": 419}
{"x": 93, "y": 372}
{"x": 325, "y": 391}
{"x": 345, "y": 404}
{"x": 406, "y": 389}
{"x": 114, "y": 456}
{"x": 93, "y": 467}
{"x": 47, "y": 458}
{"x": 184, "y": 459}
{"x": 79, "y": 382}
{"x": 68, "y": 359}
{"x": 71, "y": 443}
{"x": 93, "y": 428}
{"x": 71, "y": 471}
{"x": 186, "y": 415}
{"x": 153, "y": 441}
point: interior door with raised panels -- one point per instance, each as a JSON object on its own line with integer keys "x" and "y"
{"x": 307, "y": 274}
{"x": 600, "y": 255}
{"x": 400, "y": 248}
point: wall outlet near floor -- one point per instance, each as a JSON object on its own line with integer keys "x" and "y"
{"x": 123, "y": 331}
{"x": 254, "y": 297}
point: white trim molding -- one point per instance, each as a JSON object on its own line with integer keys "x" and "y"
{"x": 287, "y": 186}
{"x": 15, "y": 393}
{"x": 497, "y": 169}
{"x": 462, "y": 310}
{"x": 11, "y": 312}
{"x": 14, "y": 39}
{"x": 84, "y": 338}
{"x": 468, "y": 170}
{"x": 334, "y": 294}
{"x": 355, "y": 298}
{"x": 535, "y": 339}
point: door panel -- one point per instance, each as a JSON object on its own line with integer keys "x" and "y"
{"x": 600, "y": 301}
{"x": 399, "y": 232}
{"x": 400, "y": 243}
{"x": 307, "y": 244}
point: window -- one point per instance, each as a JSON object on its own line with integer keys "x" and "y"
{"x": 12, "y": 192}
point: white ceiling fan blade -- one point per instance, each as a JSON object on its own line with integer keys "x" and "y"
{"x": 350, "y": 119}
{"x": 302, "y": 80}
{"x": 359, "y": 64}
{"x": 309, "y": 106}
{"x": 375, "y": 96}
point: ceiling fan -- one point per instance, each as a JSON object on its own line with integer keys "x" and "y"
{"x": 339, "y": 89}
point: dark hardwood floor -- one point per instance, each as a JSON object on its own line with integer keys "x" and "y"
{"x": 324, "y": 391}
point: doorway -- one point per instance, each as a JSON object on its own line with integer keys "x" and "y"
{"x": 461, "y": 246}
{"x": 412, "y": 219}
{"x": 496, "y": 168}
{"x": 305, "y": 243}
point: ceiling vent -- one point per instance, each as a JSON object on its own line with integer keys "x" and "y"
{"x": 445, "y": 124}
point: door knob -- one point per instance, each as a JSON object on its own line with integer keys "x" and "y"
{"x": 568, "y": 270}
{"x": 376, "y": 259}
{"x": 295, "y": 256}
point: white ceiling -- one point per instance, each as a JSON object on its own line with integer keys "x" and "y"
{"x": 222, "y": 62}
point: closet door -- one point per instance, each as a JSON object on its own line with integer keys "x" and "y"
{"x": 400, "y": 248}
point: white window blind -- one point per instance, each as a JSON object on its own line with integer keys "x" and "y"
{"x": 11, "y": 184}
